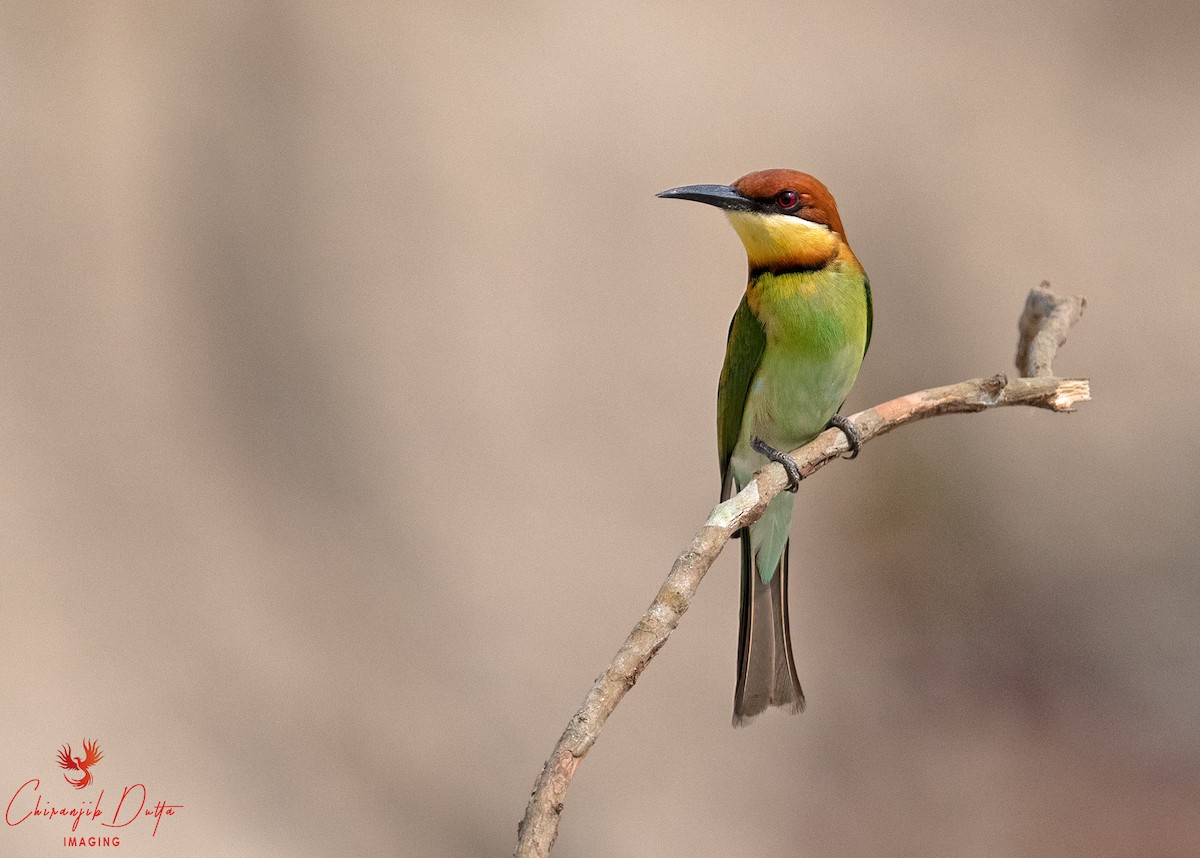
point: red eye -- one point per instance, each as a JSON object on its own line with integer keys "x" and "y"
{"x": 787, "y": 200}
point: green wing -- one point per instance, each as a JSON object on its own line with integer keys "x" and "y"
{"x": 870, "y": 311}
{"x": 743, "y": 353}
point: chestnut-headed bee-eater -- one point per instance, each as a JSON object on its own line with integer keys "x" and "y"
{"x": 795, "y": 346}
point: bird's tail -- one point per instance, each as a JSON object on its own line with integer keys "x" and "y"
{"x": 766, "y": 672}
{"x": 82, "y": 782}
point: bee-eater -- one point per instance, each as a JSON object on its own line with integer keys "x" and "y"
{"x": 795, "y": 346}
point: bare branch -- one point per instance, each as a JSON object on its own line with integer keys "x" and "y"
{"x": 1044, "y": 327}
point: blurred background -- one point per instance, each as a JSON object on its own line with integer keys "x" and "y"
{"x": 357, "y": 395}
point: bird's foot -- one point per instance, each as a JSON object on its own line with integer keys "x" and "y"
{"x": 852, "y": 433}
{"x": 789, "y": 464}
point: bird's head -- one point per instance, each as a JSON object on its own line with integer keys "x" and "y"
{"x": 785, "y": 218}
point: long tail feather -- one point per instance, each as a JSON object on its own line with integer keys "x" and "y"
{"x": 766, "y": 670}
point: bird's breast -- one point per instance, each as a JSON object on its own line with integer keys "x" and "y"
{"x": 816, "y": 327}
{"x": 813, "y": 314}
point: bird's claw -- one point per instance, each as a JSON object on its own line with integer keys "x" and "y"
{"x": 789, "y": 464}
{"x": 852, "y": 433}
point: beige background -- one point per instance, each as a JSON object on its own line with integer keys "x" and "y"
{"x": 357, "y": 394}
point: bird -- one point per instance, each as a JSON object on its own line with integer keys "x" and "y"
{"x": 794, "y": 349}
{"x": 91, "y": 756}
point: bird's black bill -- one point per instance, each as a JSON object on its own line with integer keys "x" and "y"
{"x": 721, "y": 196}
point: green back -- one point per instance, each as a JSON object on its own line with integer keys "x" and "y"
{"x": 743, "y": 353}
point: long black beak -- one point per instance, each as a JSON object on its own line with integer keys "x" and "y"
{"x": 721, "y": 196}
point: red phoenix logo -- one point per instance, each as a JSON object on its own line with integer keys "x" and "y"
{"x": 91, "y": 756}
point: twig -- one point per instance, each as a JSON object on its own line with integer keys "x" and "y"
{"x": 1044, "y": 326}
